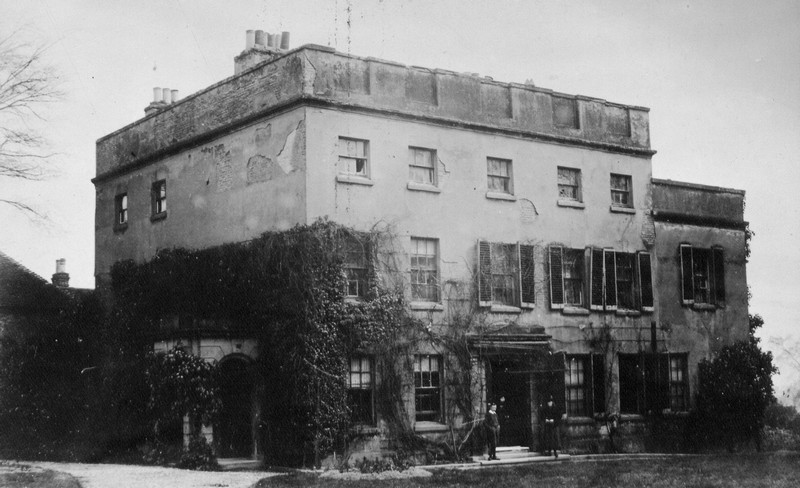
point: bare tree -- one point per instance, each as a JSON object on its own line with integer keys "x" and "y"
{"x": 26, "y": 84}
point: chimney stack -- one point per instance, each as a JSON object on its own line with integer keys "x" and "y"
{"x": 260, "y": 46}
{"x": 162, "y": 97}
{"x": 61, "y": 277}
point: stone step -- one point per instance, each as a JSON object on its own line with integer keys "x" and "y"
{"x": 518, "y": 457}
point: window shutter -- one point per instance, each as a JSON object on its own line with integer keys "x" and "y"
{"x": 687, "y": 275}
{"x": 645, "y": 281}
{"x": 557, "y": 365}
{"x": 719, "y": 276}
{"x": 527, "y": 283}
{"x": 596, "y": 279}
{"x": 372, "y": 276}
{"x": 610, "y": 262}
{"x": 598, "y": 383}
{"x": 556, "y": 277}
{"x": 484, "y": 274}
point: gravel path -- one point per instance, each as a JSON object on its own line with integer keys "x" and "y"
{"x": 127, "y": 476}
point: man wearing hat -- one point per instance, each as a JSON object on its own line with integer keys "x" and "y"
{"x": 492, "y": 425}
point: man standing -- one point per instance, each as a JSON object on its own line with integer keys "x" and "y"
{"x": 551, "y": 417}
{"x": 492, "y": 425}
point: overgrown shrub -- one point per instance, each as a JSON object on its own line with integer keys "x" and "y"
{"x": 198, "y": 455}
{"x": 734, "y": 391}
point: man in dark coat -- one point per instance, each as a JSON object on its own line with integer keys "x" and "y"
{"x": 550, "y": 417}
{"x": 492, "y": 425}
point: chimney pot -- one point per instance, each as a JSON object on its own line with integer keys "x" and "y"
{"x": 260, "y": 38}
{"x": 167, "y": 95}
{"x": 61, "y": 277}
{"x": 285, "y": 40}
{"x": 156, "y": 95}
{"x": 251, "y": 39}
{"x": 271, "y": 41}
{"x": 174, "y": 96}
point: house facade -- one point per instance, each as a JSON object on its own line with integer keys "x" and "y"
{"x": 533, "y": 213}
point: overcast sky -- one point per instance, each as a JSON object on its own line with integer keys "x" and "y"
{"x": 722, "y": 80}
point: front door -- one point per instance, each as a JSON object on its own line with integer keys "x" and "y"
{"x": 234, "y": 428}
{"x": 509, "y": 388}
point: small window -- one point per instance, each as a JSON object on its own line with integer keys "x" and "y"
{"x": 427, "y": 387}
{"x": 359, "y": 390}
{"x": 499, "y": 174}
{"x": 121, "y": 209}
{"x": 678, "y": 387}
{"x": 565, "y": 112}
{"x": 422, "y": 168}
{"x": 569, "y": 184}
{"x": 424, "y": 270}
{"x": 621, "y": 195}
{"x": 353, "y": 158}
{"x": 159, "y": 194}
{"x": 356, "y": 266}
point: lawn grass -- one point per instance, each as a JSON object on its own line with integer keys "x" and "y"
{"x": 781, "y": 470}
{"x": 38, "y": 479}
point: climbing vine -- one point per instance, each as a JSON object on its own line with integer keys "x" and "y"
{"x": 288, "y": 290}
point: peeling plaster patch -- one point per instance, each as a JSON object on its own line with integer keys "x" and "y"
{"x": 527, "y": 210}
{"x": 263, "y": 135}
{"x": 258, "y": 169}
{"x": 285, "y": 158}
{"x": 222, "y": 162}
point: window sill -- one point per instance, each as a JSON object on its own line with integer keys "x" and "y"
{"x": 426, "y": 306}
{"x": 427, "y": 426}
{"x": 354, "y": 180}
{"x": 504, "y": 309}
{"x": 704, "y": 306}
{"x": 493, "y": 195}
{"x": 625, "y": 210}
{"x": 627, "y": 313}
{"x": 120, "y": 228}
{"x": 414, "y": 186}
{"x": 158, "y": 216}
{"x": 353, "y": 299}
{"x": 575, "y": 311}
{"x": 570, "y": 204}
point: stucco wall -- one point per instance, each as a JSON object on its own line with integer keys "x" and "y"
{"x": 460, "y": 213}
{"x": 229, "y": 189}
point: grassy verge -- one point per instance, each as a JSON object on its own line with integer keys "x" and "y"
{"x": 781, "y": 470}
{"x": 38, "y": 479}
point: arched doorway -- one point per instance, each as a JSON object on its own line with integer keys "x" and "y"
{"x": 234, "y": 429}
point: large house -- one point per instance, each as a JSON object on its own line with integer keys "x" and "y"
{"x": 533, "y": 211}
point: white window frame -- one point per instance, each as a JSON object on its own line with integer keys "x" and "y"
{"x": 563, "y": 184}
{"x": 417, "y": 156}
{"x": 353, "y": 152}
{"x": 504, "y": 176}
{"x": 619, "y": 194}
{"x": 424, "y": 263}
